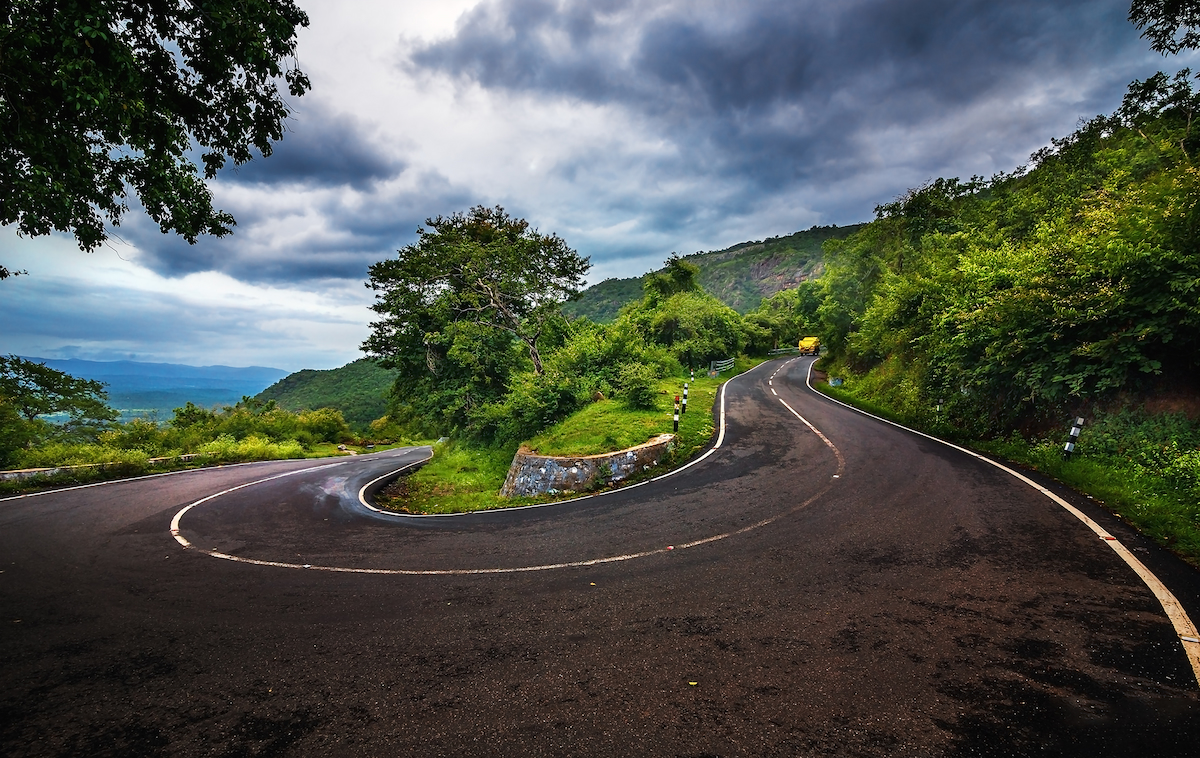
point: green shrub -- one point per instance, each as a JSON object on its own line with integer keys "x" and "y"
{"x": 638, "y": 383}
{"x": 53, "y": 454}
{"x": 254, "y": 447}
{"x": 325, "y": 425}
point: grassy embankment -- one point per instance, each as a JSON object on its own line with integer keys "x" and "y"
{"x": 464, "y": 478}
{"x": 88, "y": 464}
{"x": 1144, "y": 468}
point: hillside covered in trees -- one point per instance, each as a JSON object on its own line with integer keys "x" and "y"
{"x": 358, "y": 389}
{"x": 739, "y": 276}
{"x": 1068, "y": 282}
{"x": 995, "y": 311}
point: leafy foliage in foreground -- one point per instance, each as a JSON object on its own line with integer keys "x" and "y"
{"x": 102, "y": 97}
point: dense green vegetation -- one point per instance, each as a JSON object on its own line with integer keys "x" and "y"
{"x": 482, "y": 387}
{"x": 479, "y": 384}
{"x": 1068, "y": 287}
{"x": 1014, "y": 298}
{"x": 466, "y": 477}
{"x": 739, "y": 276}
{"x": 358, "y": 389}
{"x": 92, "y": 438}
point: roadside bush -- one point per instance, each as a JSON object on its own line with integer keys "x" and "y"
{"x": 638, "y": 384}
{"x": 694, "y": 327}
{"x": 254, "y": 447}
{"x": 325, "y": 425}
{"x": 15, "y": 434}
{"x": 532, "y": 403}
{"x": 1184, "y": 470}
{"x": 139, "y": 434}
{"x": 54, "y": 454}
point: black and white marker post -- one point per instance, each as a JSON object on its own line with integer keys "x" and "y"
{"x": 685, "y": 390}
{"x": 677, "y": 414}
{"x": 1077, "y": 427}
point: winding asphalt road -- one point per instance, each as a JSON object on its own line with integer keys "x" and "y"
{"x": 858, "y": 592}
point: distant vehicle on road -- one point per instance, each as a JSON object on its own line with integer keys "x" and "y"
{"x": 810, "y": 346}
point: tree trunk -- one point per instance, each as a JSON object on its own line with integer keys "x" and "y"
{"x": 535, "y": 357}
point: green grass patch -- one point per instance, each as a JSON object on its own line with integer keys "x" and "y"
{"x": 459, "y": 478}
{"x": 463, "y": 478}
{"x": 609, "y": 425}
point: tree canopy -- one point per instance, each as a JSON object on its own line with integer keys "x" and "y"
{"x": 482, "y": 268}
{"x": 1171, "y": 25}
{"x": 98, "y": 97}
{"x": 1069, "y": 282}
{"x": 34, "y": 389}
{"x": 677, "y": 275}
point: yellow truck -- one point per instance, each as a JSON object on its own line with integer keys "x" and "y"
{"x": 810, "y": 346}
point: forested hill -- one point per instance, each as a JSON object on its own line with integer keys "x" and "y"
{"x": 1067, "y": 283}
{"x": 357, "y": 389}
{"x": 740, "y": 276}
{"x": 138, "y": 389}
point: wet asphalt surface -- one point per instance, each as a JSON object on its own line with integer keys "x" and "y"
{"x": 919, "y": 604}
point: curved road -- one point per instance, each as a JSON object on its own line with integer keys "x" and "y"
{"x": 858, "y": 592}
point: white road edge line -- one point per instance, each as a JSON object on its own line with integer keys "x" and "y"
{"x": 720, "y": 441}
{"x": 175, "y": 522}
{"x": 1189, "y": 637}
{"x": 152, "y": 476}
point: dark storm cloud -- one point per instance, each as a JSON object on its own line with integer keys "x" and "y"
{"x": 774, "y": 94}
{"x": 320, "y": 148}
{"x": 308, "y": 236}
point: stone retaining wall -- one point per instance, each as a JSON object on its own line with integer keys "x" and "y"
{"x": 532, "y": 474}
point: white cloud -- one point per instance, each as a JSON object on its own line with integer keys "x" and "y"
{"x": 102, "y": 307}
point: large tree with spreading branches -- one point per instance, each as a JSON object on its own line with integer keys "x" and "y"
{"x": 99, "y": 98}
{"x": 483, "y": 268}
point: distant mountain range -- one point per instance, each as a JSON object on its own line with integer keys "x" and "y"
{"x": 141, "y": 389}
{"x": 740, "y": 276}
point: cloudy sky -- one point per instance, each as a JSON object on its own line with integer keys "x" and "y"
{"x": 631, "y": 128}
